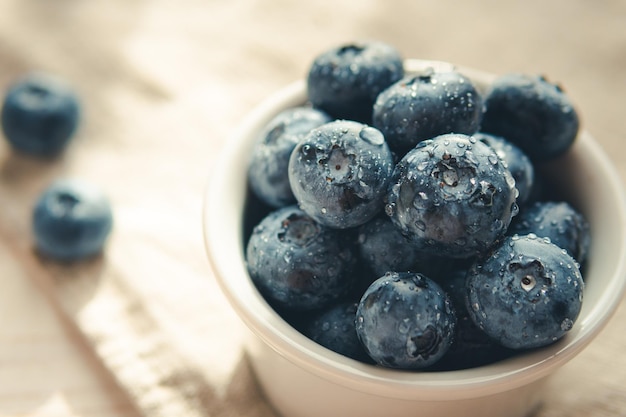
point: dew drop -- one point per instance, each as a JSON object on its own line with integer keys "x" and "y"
{"x": 372, "y": 136}
{"x": 567, "y": 324}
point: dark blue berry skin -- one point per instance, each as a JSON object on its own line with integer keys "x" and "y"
{"x": 526, "y": 294}
{"x": 339, "y": 173}
{"x": 405, "y": 321}
{"x": 471, "y": 347}
{"x": 344, "y": 81}
{"x": 452, "y": 196}
{"x": 422, "y": 106}
{"x": 72, "y": 220}
{"x": 297, "y": 263}
{"x": 40, "y": 115}
{"x": 518, "y": 163}
{"x": 335, "y": 329}
{"x": 560, "y": 222}
{"x": 268, "y": 167}
{"x": 382, "y": 248}
{"x": 533, "y": 113}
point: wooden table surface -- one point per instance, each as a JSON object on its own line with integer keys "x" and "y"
{"x": 143, "y": 330}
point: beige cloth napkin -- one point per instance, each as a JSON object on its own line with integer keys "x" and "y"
{"x": 171, "y": 343}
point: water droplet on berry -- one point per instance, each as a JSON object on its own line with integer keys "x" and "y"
{"x": 493, "y": 159}
{"x": 404, "y": 326}
{"x": 567, "y": 324}
{"x": 372, "y": 136}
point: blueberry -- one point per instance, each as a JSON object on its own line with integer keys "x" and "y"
{"x": 405, "y": 321}
{"x": 297, "y": 263}
{"x": 72, "y": 220}
{"x": 533, "y": 113}
{"x": 268, "y": 167}
{"x": 40, "y": 114}
{"x": 526, "y": 294}
{"x": 516, "y": 160}
{"x": 422, "y": 106}
{"x": 339, "y": 173}
{"x": 334, "y": 328}
{"x": 560, "y": 222}
{"x": 344, "y": 81}
{"x": 471, "y": 347}
{"x": 382, "y": 248}
{"x": 452, "y": 196}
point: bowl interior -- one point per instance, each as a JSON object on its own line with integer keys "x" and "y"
{"x": 584, "y": 176}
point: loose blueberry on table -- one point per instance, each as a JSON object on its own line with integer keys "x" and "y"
{"x": 40, "y": 114}
{"x": 72, "y": 220}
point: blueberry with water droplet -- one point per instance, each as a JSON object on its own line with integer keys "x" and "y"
{"x": 471, "y": 347}
{"x": 335, "y": 328}
{"x": 519, "y": 164}
{"x": 526, "y": 294}
{"x": 558, "y": 221}
{"x": 422, "y": 106}
{"x": 344, "y": 81}
{"x": 339, "y": 173}
{"x": 299, "y": 264}
{"x": 382, "y": 248}
{"x": 533, "y": 113}
{"x": 405, "y": 321}
{"x": 471, "y": 196}
{"x": 268, "y": 166}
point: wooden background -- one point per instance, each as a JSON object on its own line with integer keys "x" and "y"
{"x": 143, "y": 330}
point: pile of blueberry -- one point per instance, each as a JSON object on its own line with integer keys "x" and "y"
{"x": 400, "y": 219}
{"x": 72, "y": 218}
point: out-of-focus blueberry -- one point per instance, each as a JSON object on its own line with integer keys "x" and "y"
{"x": 519, "y": 164}
{"x": 334, "y": 328}
{"x": 565, "y": 226}
{"x": 422, "y": 106}
{"x": 268, "y": 167}
{"x": 344, "y": 81}
{"x": 533, "y": 113}
{"x": 297, "y": 263}
{"x": 40, "y": 114}
{"x": 452, "y": 196}
{"x": 72, "y": 220}
{"x": 339, "y": 173}
{"x": 526, "y": 294}
{"x": 405, "y": 321}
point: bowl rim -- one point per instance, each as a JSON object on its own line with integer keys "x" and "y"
{"x": 229, "y": 269}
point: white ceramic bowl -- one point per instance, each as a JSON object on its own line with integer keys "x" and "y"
{"x": 302, "y": 379}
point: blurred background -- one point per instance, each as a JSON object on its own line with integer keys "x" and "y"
{"x": 143, "y": 329}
